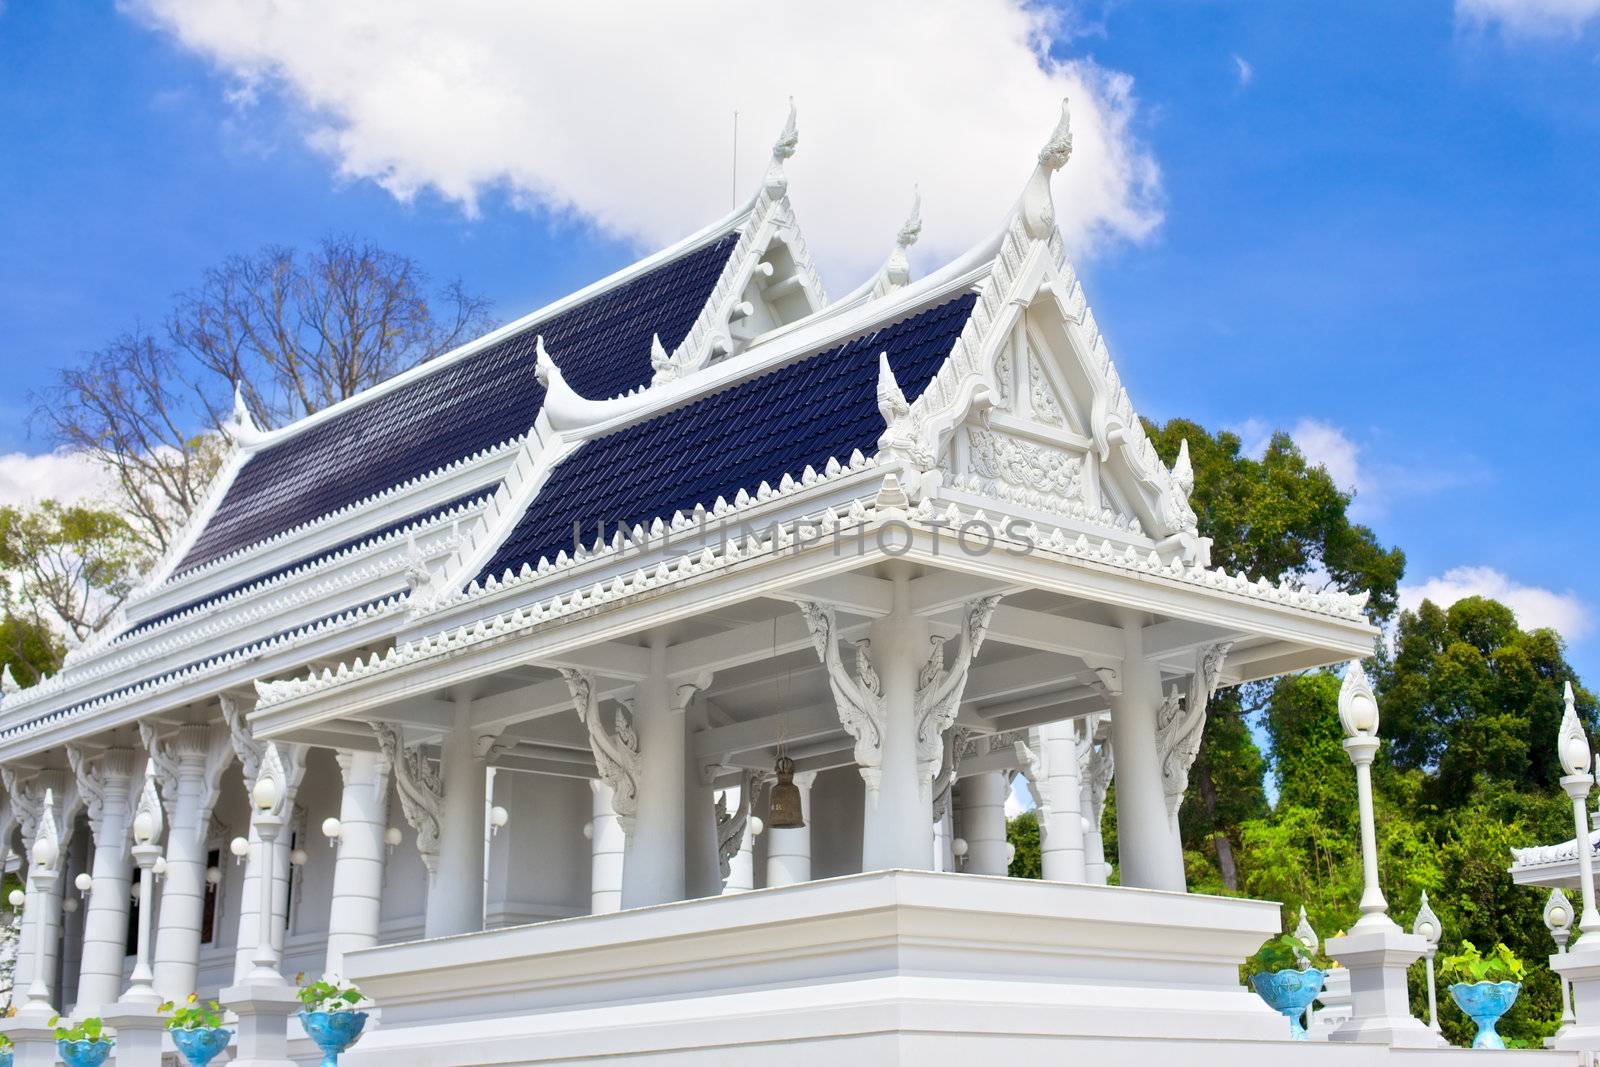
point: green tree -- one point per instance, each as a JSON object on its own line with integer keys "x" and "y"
{"x": 71, "y": 565}
{"x": 28, "y": 648}
{"x": 1273, "y": 517}
{"x": 1022, "y": 830}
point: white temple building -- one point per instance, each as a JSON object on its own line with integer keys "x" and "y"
{"x": 531, "y": 626}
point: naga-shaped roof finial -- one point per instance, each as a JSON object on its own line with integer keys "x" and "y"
{"x": 777, "y": 182}
{"x": 897, "y": 272}
{"x": 1038, "y": 210}
{"x": 241, "y": 425}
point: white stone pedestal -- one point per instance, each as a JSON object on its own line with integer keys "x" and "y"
{"x": 1580, "y": 965}
{"x": 140, "y": 1032}
{"x": 263, "y": 1008}
{"x": 33, "y": 1040}
{"x": 1377, "y": 959}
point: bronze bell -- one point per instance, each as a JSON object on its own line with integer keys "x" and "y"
{"x": 783, "y": 806}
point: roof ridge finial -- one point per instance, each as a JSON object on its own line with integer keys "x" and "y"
{"x": 897, "y": 272}
{"x": 1038, "y": 209}
{"x": 660, "y": 359}
{"x": 777, "y": 182}
{"x": 241, "y": 425}
{"x": 8, "y": 681}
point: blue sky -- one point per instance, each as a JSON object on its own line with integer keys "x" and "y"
{"x": 1374, "y": 224}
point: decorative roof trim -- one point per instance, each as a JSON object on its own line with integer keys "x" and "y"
{"x": 784, "y": 536}
{"x": 145, "y": 652}
{"x": 770, "y": 216}
{"x": 306, "y": 529}
{"x": 171, "y": 679}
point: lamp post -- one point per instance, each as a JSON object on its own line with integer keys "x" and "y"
{"x": 1427, "y": 926}
{"x": 147, "y": 825}
{"x": 1376, "y": 952}
{"x": 1558, "y": 920}
{"x": 267, "y": 796}
{"x": 45, "y": 852}
{"x": 1358, "y": 714}
{"x": 1573, "y": 748}
{"x": 263, "y": 1001}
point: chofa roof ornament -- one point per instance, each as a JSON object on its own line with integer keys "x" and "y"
{"x": 777, "y": 182}
{"x": 898, "y": 271}
{"x": 241, "y": 425}
{"x": 1038, "y": 209}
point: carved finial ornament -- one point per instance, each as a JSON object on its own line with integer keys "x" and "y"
{"x": 1305, "y": 934}
{"x": 1358, "y": 706}
{"x": 241, "y": 425}
{"x": 777, "y": 183}
{"x": 1427, "y": 925}
{"x": 1038, "y": 209}
{"x": 8, "y": 681}
{"x": 1574, "y": 741}
{"x": 1558, "y": 912}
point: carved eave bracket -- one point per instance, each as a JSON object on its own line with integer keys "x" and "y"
{"x": 420, "y": 787}
{"x": 731, "y": 825}
{"x": 1181, "y": 722}
{"x": 940, "y": 684}
{"x": 616, "y": 752}
{"x": 857, "y": 695}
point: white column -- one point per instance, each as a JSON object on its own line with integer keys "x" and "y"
{"x": 980, "y": 801}
{"x": 654, "y": 872}
{"x": 898, "y": 828}
{"x": 455, "y": 898}
{"x": 105, "y": 920}
{"x": 789, "y": 851}
{"x": 189, "y": 766}
{"x": 1062, "y": 853}
{"x": 358, "y": 871}
{"x": 607, "y": 845}
{"x": 1147, "y": 853}
{"x": 41, "y": 912}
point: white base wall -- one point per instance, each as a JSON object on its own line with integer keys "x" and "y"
{"x": 894, "y": 967}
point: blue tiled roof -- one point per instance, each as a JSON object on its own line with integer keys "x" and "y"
{"x": 468, "y": 405}
{"x": 756, "y": 430}
{"x": 476, "y": 496}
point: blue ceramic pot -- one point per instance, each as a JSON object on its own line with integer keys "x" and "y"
{"x": 1290, "y": 992}
{"x": 85, "y": 1053}
{"x": 1484, "y": 1003}
{"x": 202, "y": 1044}
{"x": 333, "y": 1031}
{"x": 5, "y": 1057}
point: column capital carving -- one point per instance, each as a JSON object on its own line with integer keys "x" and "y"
{"x": 201, "y": 752}
{"x": 1181, "y": 723}
{"x": 420, "y": 786}
{"x": 857, "y": 695}
{"x": 616, "y": 752}
{"x": 47, "y": 796}
{"x": 95, "y": 774}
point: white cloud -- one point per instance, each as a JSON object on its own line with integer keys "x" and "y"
{"x": 1325, "y": 445}
{"x": 1244, "y": 70}
{"x": 627, "y": 125}
{"x": 1535, "y": 606}
{"x": 26, "y": 479}
{"x": 1529, "y": 18}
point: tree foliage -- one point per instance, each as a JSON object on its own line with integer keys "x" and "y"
{"x": 71, "y": 565}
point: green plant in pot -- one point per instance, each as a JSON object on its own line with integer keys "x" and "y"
{"x": 1484, "y": 987}
{"x": 332, "y": 1018}
{"x": 1288, "y": 975}
{"x": 83, "y": 1044}
{"x": 5, "y": 1051}
{"x": 196, "y": 1029}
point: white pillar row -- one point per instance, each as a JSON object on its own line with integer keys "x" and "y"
{"x": 249, "y": 752}
{"x": 1147, "y": 851}
{"x": 108, "y": 785}
{"x": 789, "y": 851}
{"x": 607, "y": 844}
{"x": 455, "y": 896}
{"x": 980, "y": 810}
{"x": 656, "y": 868}
{"x": 189, "y": 765}
{"x": 357, "y": 903}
